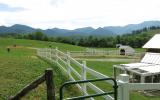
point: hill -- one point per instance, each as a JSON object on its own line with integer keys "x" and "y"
{"x": 37, "y": 44}
{"x": 137, "y": 39}
{"x": 85, "y": 31}
{"x": 17, "y": 28}
{"x": 132, "y": 27}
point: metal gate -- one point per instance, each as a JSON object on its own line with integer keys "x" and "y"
{"x": 115, "y": 92}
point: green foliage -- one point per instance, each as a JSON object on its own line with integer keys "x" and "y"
{"x": 37, "y": 36}
{"x": 135, "y": 39}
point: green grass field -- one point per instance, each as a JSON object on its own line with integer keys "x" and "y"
{"x": 18, "y": 68}
{"x": 21, "y": 66}
{"x": 38, "y": 44}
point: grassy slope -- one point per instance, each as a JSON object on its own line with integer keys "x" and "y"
{"x": 21, "y": 66}
{"x": 40, "y": 44}
{"x": 18, "y": 68}
{"x": 151, "y": 32}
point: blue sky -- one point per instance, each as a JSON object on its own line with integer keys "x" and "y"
{"x": 7, "y": 8}
{"x": 71, "y": 14}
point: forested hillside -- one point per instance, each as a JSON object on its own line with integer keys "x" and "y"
{"x": 136, "y": 39}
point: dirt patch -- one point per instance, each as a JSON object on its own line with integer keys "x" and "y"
{"x": 35, "y": 57}
{"x": 15, "y": 46}
{"x": 32, "y": 48}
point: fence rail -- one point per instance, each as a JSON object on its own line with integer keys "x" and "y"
{"x": 94, "y": 53}
{"x": 100, "y": 53}
{"x": 48, "y": 77}
{"x": 65, "y": 62}
{"x": 59, "y": 57}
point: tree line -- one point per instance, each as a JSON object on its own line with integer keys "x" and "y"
{"x": 135, "y": 39}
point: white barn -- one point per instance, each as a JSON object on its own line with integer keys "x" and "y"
{"x": 126, "y": 50}
{"x": 148, "y": 69}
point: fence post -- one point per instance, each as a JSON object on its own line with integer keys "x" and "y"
{"x": 46, "y": 53}
{"x": 84, "y": 77}
{"x": 56, "y": 55}
{"x": 38, "y": 52}
{"x": 50, "y": 84}
{"x": 123, "y": 89}
{"x": 68, "y": 64}
{"x": 42, "y": 53}
{"x": 50, "y": 53}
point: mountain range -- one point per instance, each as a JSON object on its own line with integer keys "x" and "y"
{"x": 86, "y": 31}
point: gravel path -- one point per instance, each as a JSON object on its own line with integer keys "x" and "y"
{"x": 111, "y": 59}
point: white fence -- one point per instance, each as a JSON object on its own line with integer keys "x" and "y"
{"x": 103, "y": 51}
{"x": 65, "y": 62}
{"x": 94, "y": 52}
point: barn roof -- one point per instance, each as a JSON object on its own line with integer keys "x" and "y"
{"x": 153, "y": 42}
{"x": 126, "y": 47}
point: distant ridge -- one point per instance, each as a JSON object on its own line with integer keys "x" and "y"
{"x": 131, "y": 27}
{"x": 86, "y": 31}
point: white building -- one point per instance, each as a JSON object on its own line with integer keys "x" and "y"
{"x": 148, "y": 69}
{"x": 153, "y": 45}
{"x": 126, "y": 50}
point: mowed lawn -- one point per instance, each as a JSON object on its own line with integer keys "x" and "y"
{"x": 21, "y": 66}
{"x": 4, "y": 42}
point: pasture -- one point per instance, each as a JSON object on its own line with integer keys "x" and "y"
{"x": 20, "y": 66}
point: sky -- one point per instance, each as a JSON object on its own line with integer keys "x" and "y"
{"x": 71, "y": 14}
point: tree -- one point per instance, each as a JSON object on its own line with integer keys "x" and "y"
{"x": 38, "y": 35}
{"x": 45, "y": 38}
{"x": 118, "y": 39}
{"x": 81, "y": 42}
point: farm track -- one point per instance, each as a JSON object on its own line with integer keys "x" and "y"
{"x": 110, "y": 59}
{"x": 31, "y": 48}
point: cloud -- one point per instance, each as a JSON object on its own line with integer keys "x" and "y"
{"x": 55, "y": 2}
{"x": 7, "y": 8}
{"x": 77, "y": 13}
